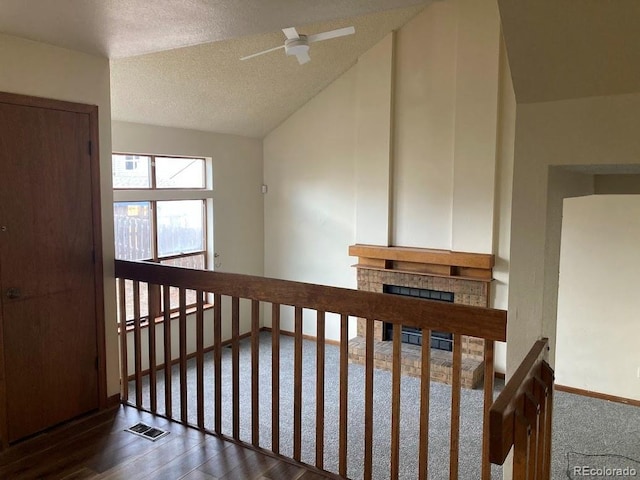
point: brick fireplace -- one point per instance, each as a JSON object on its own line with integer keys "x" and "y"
{"x": 440, "y": 275}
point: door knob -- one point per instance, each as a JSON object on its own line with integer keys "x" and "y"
{"x": 13, "y": 293}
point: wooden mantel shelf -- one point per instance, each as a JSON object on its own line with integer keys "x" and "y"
{"x": 425, "y": 261}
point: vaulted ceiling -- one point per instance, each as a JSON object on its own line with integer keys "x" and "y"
{"x": 176, "y": 63}
{"x": 561, "y": 49}
{"x": 207, "y": 87}
{"x": 124, "y": 28}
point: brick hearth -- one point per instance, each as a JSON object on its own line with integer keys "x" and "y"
{"x": 467, "y": 276}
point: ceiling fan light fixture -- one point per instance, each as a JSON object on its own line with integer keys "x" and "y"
{"x": 296, "y": 46}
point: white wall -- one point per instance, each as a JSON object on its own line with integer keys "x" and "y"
{"x": 502, "y": 211}
{"x": 399, "y": 150}
{"x": 476, "y": 116}
{"x": 582, "y": 132}
{"x": 446, "y": 104}
{"x": 598, "y": 302}
{"x": 37, "y": 69}
{"x": 424, "y": 134}
{"x": 374, "y": 143}
{"x": 309, "y": 210}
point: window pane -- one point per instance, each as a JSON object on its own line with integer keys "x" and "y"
{"x": 132, "y": 222}
{"x": 131, "y": 171}
{"x": 192, "y": 261}
{"x": 174, "y": 172}
{"x": 144, "y": 300}
{"x": 180, "y": 227}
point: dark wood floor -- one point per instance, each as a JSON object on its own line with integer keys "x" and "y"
{"x": 98, "y": 447}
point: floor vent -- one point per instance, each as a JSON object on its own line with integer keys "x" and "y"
{"x": 146, "y": 431}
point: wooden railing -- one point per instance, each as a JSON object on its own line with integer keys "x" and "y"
{"x": 521, "y": 417}
{"x": 459, "y": 320}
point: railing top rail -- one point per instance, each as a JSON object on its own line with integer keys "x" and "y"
{"x": 503, "y": 409}
{"x": 478, "y": 322}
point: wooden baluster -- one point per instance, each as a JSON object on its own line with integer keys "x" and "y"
{"x": 532, "y": 413}
{"x": 488, "y": 401}
{"x": 395, "y": 400}
{"x": 320, "y": 348}
{"x": 344, "y": 393}
{"x": 275, "y": 378}
{"x": 168, "y": 360}
{"x": 297, "y": 385}
{"x": 368, "y": 402}
{"x": 182, "y": 340}
{"x": 235, "y": 365}
{"x": 255, "y": 372}
{"x": 511, "y": 399}
{"x": 521, "y": 447}
{"x": 124, "y": 354}
{"x": 540, "y": 392}
{"x": 425, "y": 385}
{"x": 546, "y": 372}
{"x": 456, "y": 387}
{"x": 200, "y": 357}
{"x": 137, "y": 340}
{"x": 153, "y": 378}
{"x": 217, "y": 362}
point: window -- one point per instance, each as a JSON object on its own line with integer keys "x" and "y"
{"x": 161, "y": 214}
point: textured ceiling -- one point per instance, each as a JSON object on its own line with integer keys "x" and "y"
{"x": 207, "y": 87}
{"x": 121, "y": 28}
{"x": 561, "y": 49}
{"x": 176, "y": 63}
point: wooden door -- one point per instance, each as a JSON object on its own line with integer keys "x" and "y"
{"x": 47, "y": 271}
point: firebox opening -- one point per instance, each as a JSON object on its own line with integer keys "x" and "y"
{"x": 413, "y": 336}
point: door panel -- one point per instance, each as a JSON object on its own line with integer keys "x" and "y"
{"x": 51, "y": 375}
{"x": 46, "y": 255}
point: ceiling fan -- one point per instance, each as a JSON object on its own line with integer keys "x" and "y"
{"x": 298, "y": 45}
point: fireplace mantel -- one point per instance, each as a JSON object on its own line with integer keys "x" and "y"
{"x": 467, "y": 276}
{"x": 437, "y": 263}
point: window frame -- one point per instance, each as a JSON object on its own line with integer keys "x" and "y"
{"x": 153, "y": 195}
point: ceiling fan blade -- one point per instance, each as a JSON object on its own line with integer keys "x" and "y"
{"x": 303, "y": 58}
{"x": 341, "y": 32}
{"x": 291, "y": 33}
{"x": 262, "y": 53}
